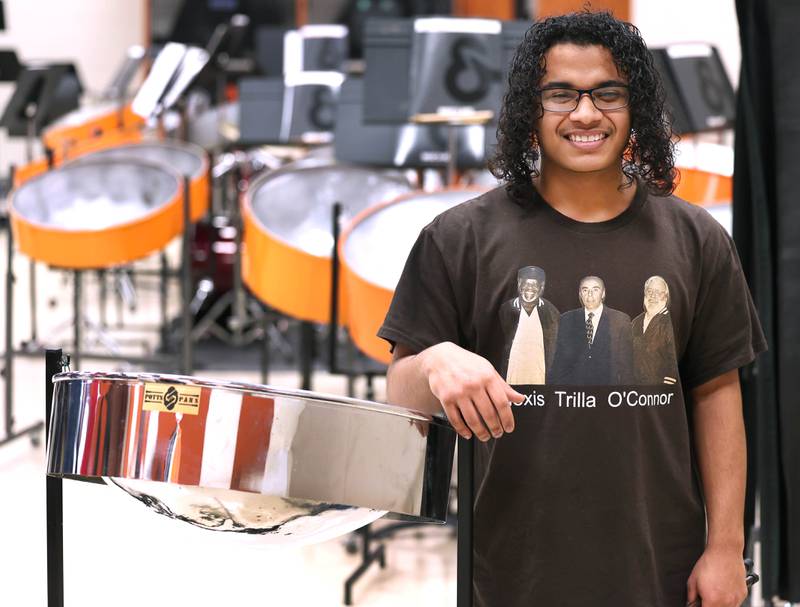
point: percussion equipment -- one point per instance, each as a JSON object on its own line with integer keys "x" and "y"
{"x": 373, "y": 249}
{"x": 290, "y": 465}
{"x": 713, "y": 191}
{"x": 186, "y": 159}
{"x": 287, "y": 231}
{"x": 87, "y": 123}
{"x": 97, "y": 213}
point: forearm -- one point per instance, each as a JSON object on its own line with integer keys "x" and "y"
{"x": 407, "y": 382}
{"x": 721, "y": 456}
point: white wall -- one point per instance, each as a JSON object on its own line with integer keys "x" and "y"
{"x": 666, "y": 21}
{"x": 94, "y": 34}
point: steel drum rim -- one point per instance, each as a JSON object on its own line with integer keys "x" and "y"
{"x": 261, "y": 389}
{"x": 364, "y": 214}
{"x": 183, "y": 146}
{"x": 12, "y": 211}
{"x": 249, "y": 209}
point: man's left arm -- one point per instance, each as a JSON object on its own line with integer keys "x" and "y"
{"x": 718, "y": 578}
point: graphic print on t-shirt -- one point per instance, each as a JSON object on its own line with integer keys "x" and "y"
{"x": 530, "y": 325}
{"x": 654, "y": 358}
{"x": 593, "y": 344}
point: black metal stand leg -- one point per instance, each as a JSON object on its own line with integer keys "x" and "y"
{"x": 265, "y": 348}
{"x": 32, "y": 287}
{"x": 186, "y": 284}
{"x": 101, "y": 278}
{"x": 367, "y": 558}
{"x": 55, "y": 500}
{"x": 8, "y": 357}
{"x": 306, "y": 353}
{"x": 465, "y": 495}
{"x": 77, "y": 303}
{"x": 162, "y": 299}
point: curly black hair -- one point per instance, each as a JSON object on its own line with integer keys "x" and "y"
{"x": 650, "y": 155}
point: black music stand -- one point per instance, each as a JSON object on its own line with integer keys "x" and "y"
{"x": 10, "y": 67}
{"x": 44, "y": 93}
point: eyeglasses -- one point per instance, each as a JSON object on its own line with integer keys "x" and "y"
{"x": 604, "y": 98}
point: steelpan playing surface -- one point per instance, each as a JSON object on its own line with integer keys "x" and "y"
{"x": 295, "y": 204}
{"x": 188, "y": 160}
{"x": 377, "y": 244}
{"x": 95, "y": 195}
{"x": 291, "y": 465}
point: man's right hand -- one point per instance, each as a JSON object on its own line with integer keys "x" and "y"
{"x": 474, "y": 396}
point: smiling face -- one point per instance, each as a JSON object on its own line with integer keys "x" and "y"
{"x": 592, "y": 293}
{"x": 530, "y": 289}
{"x": 656, "y": 294}
{"x": 585, "y": 140}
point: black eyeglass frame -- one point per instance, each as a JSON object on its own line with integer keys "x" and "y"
{"x": 581, "y": 93}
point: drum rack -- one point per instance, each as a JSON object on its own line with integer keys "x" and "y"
{"x": 35, "y": 350}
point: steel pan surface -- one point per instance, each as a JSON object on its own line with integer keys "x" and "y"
{"x": 294, "y": 204}
{"x": 188, "y": 160}
{"x": 375, "y": 246}
{"x": 290, "y": 465}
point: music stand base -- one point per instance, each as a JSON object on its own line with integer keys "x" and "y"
{"x": 33, "y": 431}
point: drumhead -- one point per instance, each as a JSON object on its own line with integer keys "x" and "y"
{"x": 295, "y": 204}
{"x": 377, "y": 244}
{"x": 95, "y": 194}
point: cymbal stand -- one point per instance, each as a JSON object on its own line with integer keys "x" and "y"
{"x": 33, "y": 431}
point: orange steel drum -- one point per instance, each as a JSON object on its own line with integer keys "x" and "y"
{"x": 186, "y": 159}
{"x": 287, "y": 246}
{"x": 97, "y": 214}
{"x": 373, "y": 250}
{"x": 712, "y": 191}
{"x": 86, "y": 123}
{"x": 106, "y": 140}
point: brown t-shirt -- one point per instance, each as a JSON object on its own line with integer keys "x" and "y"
{"x": 593, "y": 499}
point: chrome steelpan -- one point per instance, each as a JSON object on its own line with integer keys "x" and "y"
{"x": 291, "y": 465}
{"x": 96, "y": 214}
{"x": 373, "y": 250}
{"x": 287, "y": 231}
{"x": 186, "y": 159}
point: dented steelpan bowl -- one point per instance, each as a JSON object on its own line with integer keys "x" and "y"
{"x": 288, "y": 239}
{"x": 96, "y": 214}
{"x": 186, "y": 159}
{"x": 290, "y": 465}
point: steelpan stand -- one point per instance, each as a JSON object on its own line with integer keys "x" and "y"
{"x": 34, "y": 430}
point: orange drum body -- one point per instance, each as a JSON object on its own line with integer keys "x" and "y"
{"x": 288, "y": 242}
{"x": 185, "y": 159}
{"x": 373, "y": 250}
{"x": 704, "y": 188}
{"x": 87, "y": 123}
{"x": 97, "y": 214}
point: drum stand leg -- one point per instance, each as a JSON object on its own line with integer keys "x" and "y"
{"x": 162, "y": 299}
{"x": 367, "y": 558}
{"x": 265, "y": 323}
{"x": 186, "y": 284}
{"x": 77, "y": 302}
{"x": 32, "y": 287}
{"x": 55, "y": 362}
{"x": 33, "y": 430}
{"x": 306, "y": 353}
{"x": 466, "y": 480}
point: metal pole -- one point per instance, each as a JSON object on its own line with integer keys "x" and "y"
{"x": 465, "y": 495}
{"x": 452, "y": 147}
{"x": 77, "y": 294}
{"x": 306, "y": 353}
{"x": 186, "y": 284}
{"x": 162, "y": 295}
{"x": 32, "y": 291}
{"x": 333, "y": 321}
{"x": 55, "y": 499}
{"x": 265, "y": 321}
{"x": 101, "y": 277}
{"x": 9, "y": 353}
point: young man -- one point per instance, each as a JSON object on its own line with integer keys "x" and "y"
{"x": 589, "y": 495}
